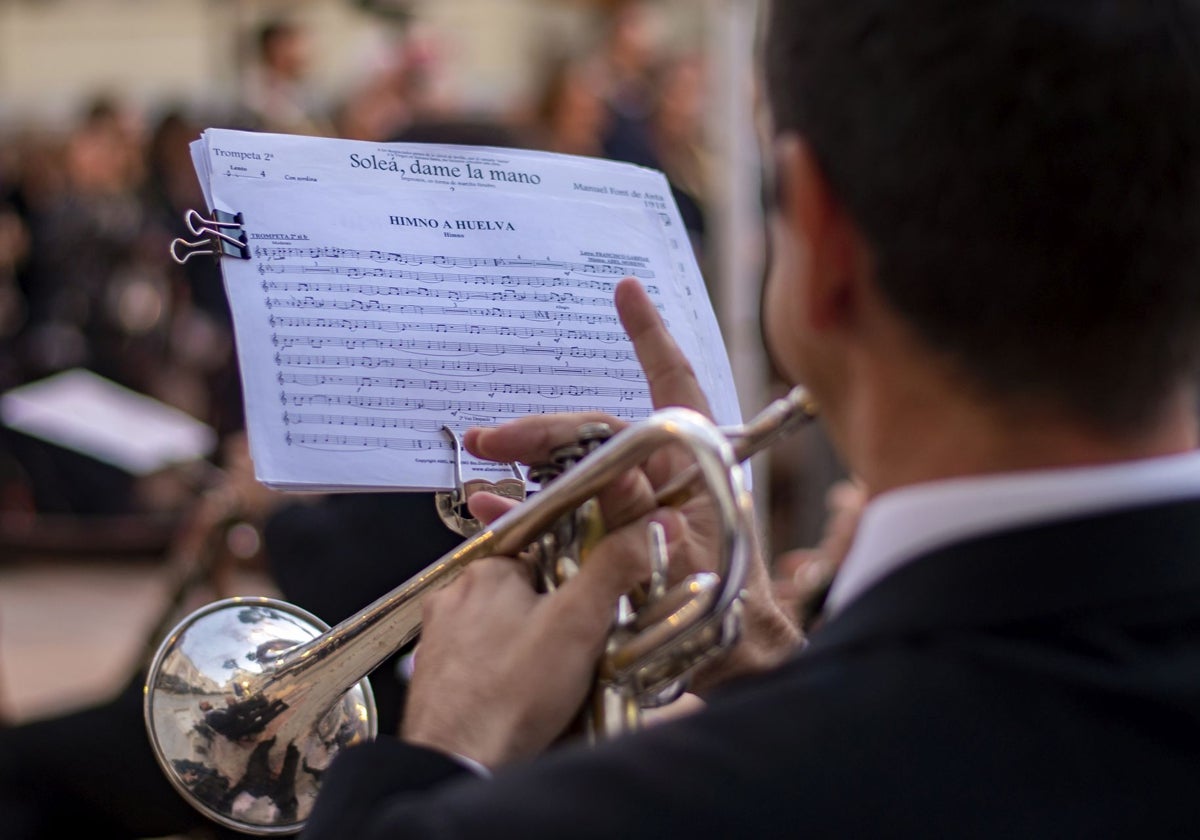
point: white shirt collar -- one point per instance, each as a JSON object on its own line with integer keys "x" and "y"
{"x": 903, "y": 524}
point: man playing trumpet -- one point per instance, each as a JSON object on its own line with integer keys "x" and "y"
{"x": 987, "y": 270}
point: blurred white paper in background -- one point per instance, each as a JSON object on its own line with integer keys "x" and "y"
{"x": 86, "y": 413}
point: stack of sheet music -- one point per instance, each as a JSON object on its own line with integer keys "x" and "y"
{"x": 383, "y": 291}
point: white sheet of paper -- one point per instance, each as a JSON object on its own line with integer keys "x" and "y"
{"x": 87, "y": 413}
{"x": 396, "y": 288}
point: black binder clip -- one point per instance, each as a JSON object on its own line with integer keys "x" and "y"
{"x": 452, "y": 505}
{"x": 223, "y": 235}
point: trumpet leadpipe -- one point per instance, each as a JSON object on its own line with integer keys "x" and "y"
{"x": 778, "y": 420}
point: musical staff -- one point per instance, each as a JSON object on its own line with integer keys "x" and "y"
{"x": 606, "y": 287}
{"x": 355, "y": 324}
{"x": 590, "y": 318}
{"x": 460, "y": 386}
{"x": 455, "y": 366}
{"x": 365, "y": 421}
{"x": 633, "y": 269}
{"x": 361, "y": 442}
{"x": 361, "y": 420}
{"x": 496, "y": 295}
{"x": 559, "y": 351}
{"x": 447, "y": 407}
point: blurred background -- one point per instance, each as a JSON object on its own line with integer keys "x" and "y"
{"x": 98, "y": 101}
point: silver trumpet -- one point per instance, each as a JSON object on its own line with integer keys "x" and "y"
{"x": 248, "y": 700}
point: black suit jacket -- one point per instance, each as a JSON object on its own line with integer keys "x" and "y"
{"x": 1041, "y": 682}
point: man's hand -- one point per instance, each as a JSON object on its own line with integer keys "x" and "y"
{"x": 501, "y": 670}
{"x": 803, "y": 576}
{"x": 769, "y": 634}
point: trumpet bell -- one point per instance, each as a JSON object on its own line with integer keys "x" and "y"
{"x": 214, "y": 712}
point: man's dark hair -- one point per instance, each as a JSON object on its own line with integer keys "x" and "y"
{"x": 1027, "y": 173}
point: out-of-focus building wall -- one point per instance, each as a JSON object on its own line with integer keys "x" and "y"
{"x": 53, "y": 55}
{"x": 56, "y": 54}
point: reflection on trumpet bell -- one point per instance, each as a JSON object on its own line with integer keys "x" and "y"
{"x": 224, "y": 726}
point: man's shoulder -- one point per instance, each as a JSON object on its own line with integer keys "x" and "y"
{"x": 1003, "y": 730}
{"x": 1100, "y": 566}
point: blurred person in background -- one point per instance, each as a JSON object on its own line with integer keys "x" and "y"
{"x": 569, "y": 113}
{"x": 676, "y": 126}
{"x": 627, "y": 56}
{"x": 276, "y": 96}
{"x": 35, "y": 182}
{"x": 95, "y": 293}
{"x": 406, "y": 88}
{"x": 14, "y": 250}
{"x": 375, "y": 111}
{"x": 199, "y": 371}
{"x": 86, "y": 253}
{"x": 100, "y": 295}
{"x": 655, "y": 105}
{"x": 802, "y": 577}
{"x": 15, "y": 492}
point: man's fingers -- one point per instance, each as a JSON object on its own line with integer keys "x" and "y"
{"x": 668, "y": 372}
{"x": 530, "y": 440}
{"x": 488, "y": 507}
{"x": 494, "y": 577}
{"x": 617, "y": 564}
{"x": 626, "y": 498}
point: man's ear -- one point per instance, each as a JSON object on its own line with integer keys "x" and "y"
{"x": 810, "y": 212}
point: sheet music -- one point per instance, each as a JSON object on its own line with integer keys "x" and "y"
{"x": 86, "y": 413}
{"x": 396, "y": 289}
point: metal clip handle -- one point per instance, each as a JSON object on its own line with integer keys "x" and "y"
{"x": 452, "y": 504}
{"x": 216, "y": 236}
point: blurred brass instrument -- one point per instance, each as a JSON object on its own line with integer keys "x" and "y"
{"x": 248, "y": 699}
